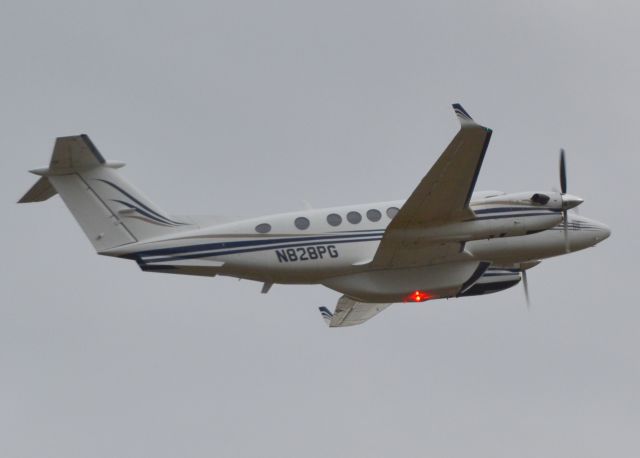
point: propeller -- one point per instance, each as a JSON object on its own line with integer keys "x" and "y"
{"x": 563, "y": 172}
{"x": 567, "y": 200}
{"x": 563, "y": 190}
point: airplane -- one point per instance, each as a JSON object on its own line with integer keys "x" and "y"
{"x": 444, "y": 241}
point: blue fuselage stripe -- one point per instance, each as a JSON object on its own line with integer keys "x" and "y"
{"x": 517, "y": 215}
{"x": 249, "y": 250}
{"x": 248, "y": 243}
{"x": 514, "y": 209}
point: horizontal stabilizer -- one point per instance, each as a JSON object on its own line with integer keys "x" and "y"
{"x": 39, "y": 192}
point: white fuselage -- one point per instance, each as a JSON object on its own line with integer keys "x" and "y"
{"x": 506, "y": 232}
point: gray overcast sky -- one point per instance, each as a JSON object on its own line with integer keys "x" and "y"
{"x": 251, "y": 107}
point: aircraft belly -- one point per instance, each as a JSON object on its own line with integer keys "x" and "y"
{"x": 396, "y": 285}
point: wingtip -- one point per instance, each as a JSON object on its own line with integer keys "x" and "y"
{"x": 326, "y": 315}
{"x": 462, "y": 114}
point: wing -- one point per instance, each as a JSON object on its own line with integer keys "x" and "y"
{"x": 350, "y": 312}
{"x": 441, "y": 197}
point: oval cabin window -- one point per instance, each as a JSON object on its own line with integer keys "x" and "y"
{"x": 354, "y": 217}
{"x": 302, "y": 223}
{"x": 334, "y": 219}
{"x": 263, "y": 228}
{"x": 374, "y": 215}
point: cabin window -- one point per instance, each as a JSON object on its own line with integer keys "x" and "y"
{"x": 392, "y": 212}
{"x": 374, "y": 215}
{"x": 354, "y": 217}
{"x": 263, "y": 228}
{"x": 334, "y": 219}
{"x": 302, "y": 223}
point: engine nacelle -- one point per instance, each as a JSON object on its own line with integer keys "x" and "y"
{"x": 500, "y": 222}
{"x": 492, "y": 281}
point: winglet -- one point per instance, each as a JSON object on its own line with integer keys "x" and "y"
{"x": 463, "y": 116}
{"x": 326, "y": 315}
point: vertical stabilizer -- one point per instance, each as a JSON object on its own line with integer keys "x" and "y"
{"x": 110, "y": 211}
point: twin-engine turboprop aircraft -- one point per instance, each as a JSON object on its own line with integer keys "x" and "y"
{"x": 444, "y": 241}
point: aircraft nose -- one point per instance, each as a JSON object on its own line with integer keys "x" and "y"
{"x": 591, "y": 232}
{"x": 603, "y": 232}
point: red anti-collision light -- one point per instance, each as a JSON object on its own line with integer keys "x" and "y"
{"x": 417, "y": 296}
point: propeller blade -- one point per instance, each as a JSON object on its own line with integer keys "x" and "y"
{"x": 525, "y": 283}
{"x": 563, "y": 173}
{"x": 565, "y": 217}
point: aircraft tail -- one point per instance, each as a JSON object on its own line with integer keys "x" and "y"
{"x": 111, "y": 211}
